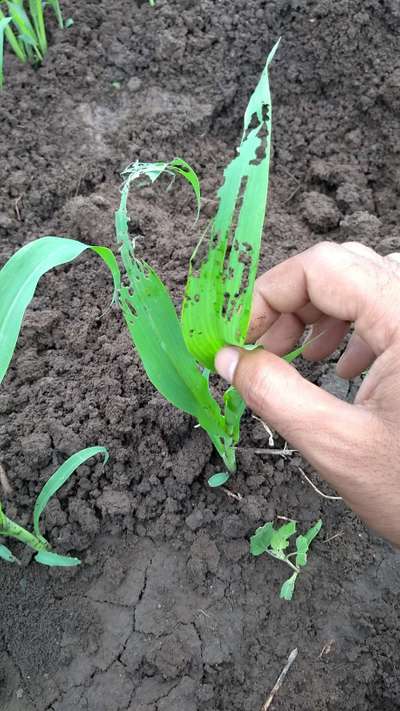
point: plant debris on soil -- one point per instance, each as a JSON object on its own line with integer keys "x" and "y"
{"x": 169, "y": 611}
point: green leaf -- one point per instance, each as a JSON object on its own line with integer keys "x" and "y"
{"x": 234, "y": 409}
{"x": 218, "y": 295}
{"x": 54, "y": 559}
{"x": 36, "y": 10}
{"x": 136, "y": 170}
{"x": 313, "y": 531}
{"x": 287, "y": 588}
{"x": 59, "y": 478}
{"x": 218, "y": 479}
{"x": 280, "y": 536}
{"x": 6, "y": 554}
{"x": 55, "y": 5}
{"x": 261, "y": 540}
{"x": 109, "y": 259}
{"x": 4, "y": 21}
{"x": 289, "y": 357}
{"x": 153, "y": 323}
{"x": 16, "y": 46}
{"x": 24, "y": 25}
{"x": 180, "y": 166}
{"x": 155, "y": 330}
{"x": 19, "y": 278}
{"x": 303, "y": 543}
{"x": 301, "y": 549}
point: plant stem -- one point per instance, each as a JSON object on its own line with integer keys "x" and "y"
{"x": 285, "y": 560}
{"x": 226, "y": 450}
{"x": 14, "y": 530}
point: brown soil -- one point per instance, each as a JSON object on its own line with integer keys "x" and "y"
{"x": 169, "y": 612}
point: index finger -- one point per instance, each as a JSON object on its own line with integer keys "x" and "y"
{"x": 338, "y": 283}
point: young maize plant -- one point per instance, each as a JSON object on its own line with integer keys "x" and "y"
{"x": 25, "y": 30}
{"x": 177, "y": 354}
{"x": 273, "y": 541}
{"x": 35, "y": 540}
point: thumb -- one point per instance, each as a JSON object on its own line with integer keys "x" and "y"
{"x": 322, "y": 427}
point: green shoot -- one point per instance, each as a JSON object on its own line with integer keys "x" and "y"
{"x": 177, "y": 354}
{"x": 35, "y": 540}
{"x": 4, "y": 22}
{"x": 217, "y": 302}
{"x": 273, "y": 541}
{"x": 25, "y": 29}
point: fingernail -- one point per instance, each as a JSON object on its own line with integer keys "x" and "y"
{"x": 226, "y": 363}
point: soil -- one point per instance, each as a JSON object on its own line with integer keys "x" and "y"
{"x": 169, "y": 612}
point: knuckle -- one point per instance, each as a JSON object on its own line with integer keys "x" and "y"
{"x": 324, "y": 250}
{"x": 393, "y": 262}
{"x": 351, "y": 244}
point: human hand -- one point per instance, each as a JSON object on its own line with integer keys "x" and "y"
{"x": 355, "y": 447}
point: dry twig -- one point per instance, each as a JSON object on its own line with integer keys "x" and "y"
{"x": 332, "y": 538}
{"x": 285, "y": 452}
{"x": 232, "y": 494}
{"x": 7, "y": 488}
{"x": 267, "y": 429}
{"x": 280, "y": 679}
{"x": 16, "y": 207}
{"x": 324, "y": 496}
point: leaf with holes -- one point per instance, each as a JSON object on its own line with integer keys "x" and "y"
{"x": 217, "y": 303}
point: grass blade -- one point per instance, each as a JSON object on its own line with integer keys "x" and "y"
{"x": 15, "y": 45}
{"x": 55, "y": 5}
{"x": 217, "y": 304}
{"x": 3, "y": 24}
{"x": 36, "y": 10}
{"x": 19, "y": 278}
{"x": 182, "y": 168}
{"x": 26, "y": 30}
{"x": 59, "y": 478}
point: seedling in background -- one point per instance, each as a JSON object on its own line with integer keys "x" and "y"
{"x": 177, "y": 354}
{"x": 25, "y": 29}
{"x": 273, "y": 541}
{"x": 35, "y": 540}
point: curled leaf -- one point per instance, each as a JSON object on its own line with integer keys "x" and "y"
{"x": 59, "y": 478}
